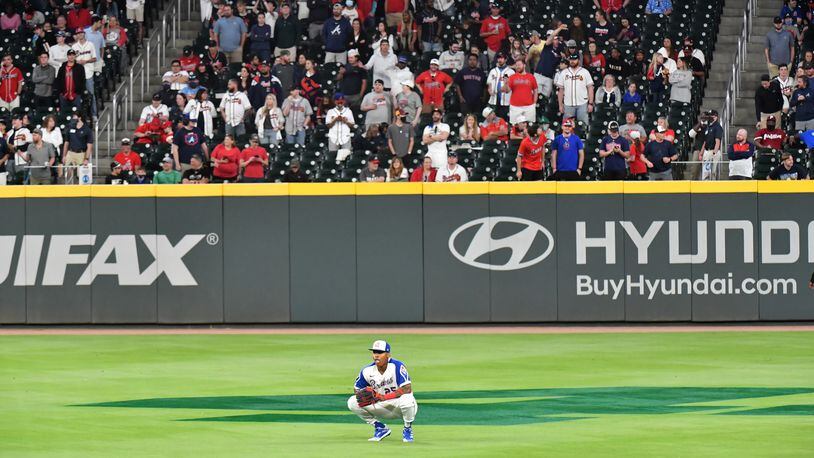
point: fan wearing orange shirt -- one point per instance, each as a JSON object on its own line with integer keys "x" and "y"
{"x": 530, "y": 155}
{"x": 523, "y": 87}
{"x": 126, "y": 157}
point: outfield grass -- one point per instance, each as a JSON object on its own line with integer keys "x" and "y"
{"x": 576, "y": 395}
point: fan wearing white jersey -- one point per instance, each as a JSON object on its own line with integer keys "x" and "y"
{"x": 383, "y": 391}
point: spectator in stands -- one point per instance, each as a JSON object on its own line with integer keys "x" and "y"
{"x": 318, "y": 12}
{"x": 400, "y": 139}
{"x": 264, "y": 83}
{"x": 658, "y": 73}
{"x": 639, "y": 66}
{"x": 295, "y": 174}
{"x": 803, "y": 101}
{"x": 51, "y": 133}
{"x": 406, "y": 31}
{"x": 18, "y": 138}
{"x": 615, "y": 149}
{"x": 198, "y": 173}
{"x": 664, "y": 7}
{"x": 226, "y": 157}
{"x": 188, "y": 141}
{"x": 135, "y": 12}
{"x": 340, "y": 123}
{"x": 260, "y": 38}
{"x": 632, "y": 98}
{"x": 397, "y": 172}
{"x": 377, "y": 105}
{"x": 128, "y": 159}
{"x": 434, "y": 84}
{"x": 616, "y": 65}
{"x": 79, "y": 16}
{"x": 469, "y": 132}
{"x": 608, "y": 95}
{"x": 109, "y": 8}
{"x": 431, "y": 24}
{"x": 550, "y": 57}
{"x": 215, "y": 59}
{"x": 352, "y": 79}
{"x": 86, "y": 57}
{"x": 335, "y": 34}
{"x": 43, "y": 76}
{"x": 669, "y": 134}
{"x": 636, "y": 160}
{"x": 681, "y": 83}
{"x": 230, "y": 33}
{"x": 177, "y": 112}
{"x": 9, "y": 19}
{"x": 426, "y": 173}
{"x": 372, "y": 173}
{"x": 493, "y": 128}
{"x": 523, "y": 89}
{"x": 233, "y": 107}
{"x": 711, "y": 150}
{"x": 393, "y": 11}
{"x": 494, "y": 30}
{"x": 452, "y": 60}
{"x": 628, "y": 32}
{"x": 740, "y": 155}
{"x": 153, "y": 110}
{"x": 285, "y": 71}
{"x": 575, "y": 91}
{"x": 174, "y": 80}
{"x": 381, "y": 33}
{"x": 297, "y": 112}
{"x": 659, "y": 155}
{"x": 167, "y": 174}
{"x": 531, "y": 154}
{"x": 770, "y": 136}
{"x": 611, "y": 6}
{"x": 140, "y": 176}
{"x": 594, "y": 60}
{"x": 498, "y": 98}
{"x": 253, "y": 162}
{"x": 398, "y": 74}
{"x": 786, "y": 84}
{"x": 116, "y": 36}
{"x": 435, "y": 136}
{"x": 768, "y": 100}
{"x": 269, "y": 122}
{"x": 788, "y": 170}
{"x": 601, "y": 30}
{"x": 358, "y": 40}
{"x": 779, "y": 47}
{"x": 11, "y": 83}
{"x": 70, "y": 84}
{"x": 567, "y": 154}
{"x": 469, "y": 84}
{"x": 382, "y": 63}
{"x": 58, "y": 52}
{"x": 451, "y": 172}
{"x": 409, "y": 103}
{"x": 94, "y": 35}
{"x": 287, "y": 31}
{"x": 78, "y": 145}
{"x": 40, "y": 157}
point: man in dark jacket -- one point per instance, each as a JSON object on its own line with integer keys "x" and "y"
{"x": 335, "y": 33}
{"x": 70, "y": 84}
{"x": 803, "y": 100}
{"x": 294, "y": 174}
{"x": 43, "y": 76}
{"x": 768, "y": 101}
{"x": 286, "y": 31}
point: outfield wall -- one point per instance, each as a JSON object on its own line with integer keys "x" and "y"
{"x": 407, "y": 252}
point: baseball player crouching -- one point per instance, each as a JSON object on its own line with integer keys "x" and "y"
{"x": 383, "y": 391}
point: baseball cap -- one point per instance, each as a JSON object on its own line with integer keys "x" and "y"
{"x": 167, "y": 160}
{"x": 437, "y": 110}
{"x": 125, "y": 141}
{"x": 407, "y": 83}
{"x": 79, "y": 30}
{"x": 337, "y": 5}
{"x": 114, "y": 165}
{"x": 634, "y": 134}
{"x": 535, "y": 33}
{"x": 500, "y": 54}
{"x": 571, "y": 44}
{"x": 264, "y": 62}
{"x": 212, "y": 43}
{"x": 765, "y": 77}
{"x": 771, "y": 118}
{"x": 156, "y": 96}
{"x": 61, "y": 33}
{"x": 613, "y": 125}
{"x": 403, "y": 59}
{"x": 487, "y": 111}
{"x": 339, "y": 96}
{"x": 452, "y": 154}
{"x": 435, "y": 62}
{"x": 285, "y": 52}
{"x": 374, "y": 160}
{"x": 519, "y": 119}
{"x": 70, "y": 52}
{"x": 778, "y": 19}
{"x": 568, "y": 122}
{"x": 661, "y": 129}
{"x": 380, "y": 345}
{"x": 254, "y": 138}
{"x": 37, "y": 131}
{"x": 494, "y": 5}
{"x": 573, "y": 57}
{"x": 353, "y": 53}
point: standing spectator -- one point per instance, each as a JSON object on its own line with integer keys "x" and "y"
{"x": 681, "y": 83}
{"x": 340, "y": 123}
{"x": 197, "y": 173}
{"x": 786, "y": 83}
{"x": 70, "y": 84}
{"x": 575, "y": 91}
{"x": 43, "y": 77}
{"x": 381, "y": 34}
{"x": 636, "y": 160}
{"x": 372, "y": 173}
{"x": 353, "y": 80}
{"x": 226, "y": 157}
{"x": 260, "y": 38}
{"x": 549, "y": 61}
{"x": 167, "y": 174}
{"x": 17, "y": 138}
{"x": 430, "y": 27}
{"x": 398, "y": 74}
{"x": 494, "y": 30}
{"x": 788, "y": 169}
{"x": 78, "y": 145}
{"x": 498, "y": 98}
{"x": 469, "y": 84}
{"x": 377, "y": 105}
{"x": 611, "y": 6}
{"x": 393, "y": 10}
{"x": 608, "y": 95}
{"x": 382, "y": 63}
{"x": 135, "y": 12}
{"x": 51, "y": 133}
{"x": 659, "y": 154}
{"x": 664, "y": 7}
{"x": 287, "y": 31}
{"x": 768, "y": 101}
{"x": 188, "y": 141}
{"x": 335, "y": 34}
{"x": 740, "y": 156}
{"x": 523, "y": 89}
{"x": 452, "y": 60}
{"x": 297, "y": 112}
{"x": 400, "y": 138}
{"x": 358, "y": 40}
{"x": 695, "y": 60}
{"x": 426, "y": 173}
{"x": 11, "y": 84}
{"x": 567, "y": 154}
{"x": 615, "y": 149}
{"x": 86, "y": 57}
{"x": 128, "y": 159}
{"x": 493, "y": 128}
{"x": 770, "y": 136}
{"x": 229, "y": 33}
{"x": 253, "y": 161}
{"x": 79, "y": 16}
{"x": 779, "y": 47}
{"x": 58, "y": 53}
{"x": 451, "y": 172}
{"x": 41, "y": 157}
{"x": 530, "y": 155}
{"x": 409, "y": 103}
{"x": 269, "y": 122}
{"x": 265, "y": 83}
{"x": 407, "y": 32}
{"x": 397, "y": 172}
{"x": 803, "y": 101}
{"x": 10, "y": 20}
{"x": 711, "y": 149}
{"x": 434, "y": 84}
{"x": 94, "y": 35}
{"x": 214, "y": 59}
{"x": 200, "y": 111}
{"x": 233, "y": 108}
{"x": 285, "y": 71}
{"x": 435, "y": 137}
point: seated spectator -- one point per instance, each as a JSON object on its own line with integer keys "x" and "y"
{"x": 577, "y": 30}
{"x": 663, "y": 7}
{"x": 681, "y": 83}
{"x": 469, "y": 132}
{"x": 594, "y": 60}
{"x": 400, "y": 139}
{"x": 117, "y": 175}
{"x": 493, "y": 128}
{"x": 601, "y": 30}
{"x": 426, "y": 173}
{"x": 397, "y": 172}
{"x": 631, "y": 98}
{"x": 294, "y": 174}
{"x": 628, "y": 33}
{"x": 608, "y": 94}
{"x": 253, "y": 162}
{"x": 153, "y": 110}
{"x": 167, "y": 174}
{"x": 669, "y": 134}
{"x": 616, "y": 65}
{"x": 407, "y": 32}
{"x": 198, "y": 173}
{"x": 451, "y": 172}
{"x": 611, "y": 6}
{"x": 10, "y": 19}
{"x": 128, "y": 159}
{"x": 788, "y": 170}
{"x": 372, "y": 173}
{"x": 517, "y": 50}
{"x": 452, "y": 60}
{"x": 639, "y": 66}
{"x": 741, "y": 155}
{"x": 771, "y": 136}
{"x": 140, "y": 176}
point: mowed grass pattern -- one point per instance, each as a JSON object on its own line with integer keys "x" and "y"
{"x": 666, "y": 394}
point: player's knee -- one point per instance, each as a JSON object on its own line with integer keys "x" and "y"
{"x": 353, "y": 405}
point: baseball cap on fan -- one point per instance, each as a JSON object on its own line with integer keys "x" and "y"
{"x": 380, "y": 345}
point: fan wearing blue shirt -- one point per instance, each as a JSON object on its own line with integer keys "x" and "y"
{"x": 567, "y": 154}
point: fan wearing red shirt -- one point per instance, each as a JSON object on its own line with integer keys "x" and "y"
{"x": 611, "y": 6}
{"x": 635, "y": 162}
{"x": 189, "y": 60}
{"x": 78, "y": 18}
{"x": 226, "y": 157}
{"x": 434, "y": 84}
{"x": 157, "y": 131}
{"x": 494, "y": 30}
{"x": 771, "y": 136}
{"x": 253, "y": 161}
{"x": 126, "y": 157}
{"x": 493, "y": 127}
{"x": 530, "y": 155}
{"x": 523, "y": 87}
{"x": 11, "y": 83}
{"x": 425, "y": 173}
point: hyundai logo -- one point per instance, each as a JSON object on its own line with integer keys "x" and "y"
{"x": 519, "y": 243}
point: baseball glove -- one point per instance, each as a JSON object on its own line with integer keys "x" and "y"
{"x": 366, "y": 397}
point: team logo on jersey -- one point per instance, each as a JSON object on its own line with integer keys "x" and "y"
{"x": 528, "y": 244}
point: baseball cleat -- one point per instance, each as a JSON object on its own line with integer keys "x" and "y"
{"x": 407, "y": 434}
{"x": 380, "y": 434}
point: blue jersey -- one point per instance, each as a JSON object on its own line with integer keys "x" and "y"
{"x": 394, "y": 377}
{"x": 567, "y": 152}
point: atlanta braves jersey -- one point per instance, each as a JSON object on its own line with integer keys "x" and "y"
{"x": 394, "y": 377}
{"x": 575, "y": 83}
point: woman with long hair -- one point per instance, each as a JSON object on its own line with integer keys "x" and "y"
{"x": 577, "y": 29}
{"x": 226, "y": 159}
{"x": 517, "y": 50}
{"x": 358, "y": 40}
{"x": 470, "y": 130}
{"x": 311, "y": 86}
{"x": 636, "y": 161}
{"x": 269, "y": 122}
{"x": 201, "y": 111}
{"x": 397, "y": 172}
{"x": 379, "y": 34}
{"x": 407, "y": 32}
{"x": 177, "y": 111}
{"x": 594, "y": 60}
{"x": 657, "y": 74}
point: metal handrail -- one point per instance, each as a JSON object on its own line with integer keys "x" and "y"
{"x": 733, "y": 87}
